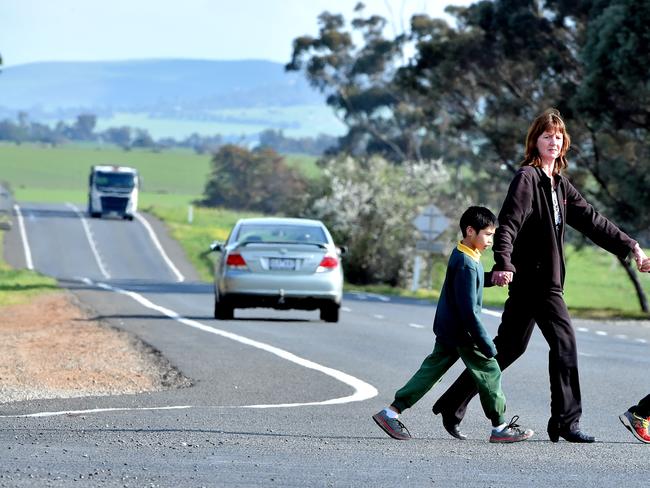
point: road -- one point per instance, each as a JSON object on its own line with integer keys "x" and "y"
{"x": 280, "y": 398}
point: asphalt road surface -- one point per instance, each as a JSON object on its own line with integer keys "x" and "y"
{"x": 280, "y": 398}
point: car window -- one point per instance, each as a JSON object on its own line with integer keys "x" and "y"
{"x": 281, "y": 233}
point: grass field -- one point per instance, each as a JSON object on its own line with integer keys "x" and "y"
{"x": 596, "y": 285}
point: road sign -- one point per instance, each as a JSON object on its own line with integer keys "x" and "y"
{"x": 431, "y": 222}
{"x": 430, "y": 246}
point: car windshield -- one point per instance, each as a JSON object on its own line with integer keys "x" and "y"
{"x": 115, "y": 180}
{"x": 281, "y": 233}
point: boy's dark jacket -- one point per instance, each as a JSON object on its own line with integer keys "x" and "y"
{"x": 526, "y": 241}
{"x": 458, "y": 314}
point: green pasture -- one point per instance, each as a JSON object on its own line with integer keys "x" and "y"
{"x": 30, "y": 168}
{"x": 596, "y": 285}
{"x": 60, "y": 174}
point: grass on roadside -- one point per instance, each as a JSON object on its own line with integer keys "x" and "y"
{"x": 20, "y": 285}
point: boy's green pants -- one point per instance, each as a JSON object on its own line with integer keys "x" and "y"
{"x": 485, "y": 372}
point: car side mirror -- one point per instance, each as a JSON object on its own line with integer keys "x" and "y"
{"x": 216, "y": 246}
{"x": 342, "y": 250}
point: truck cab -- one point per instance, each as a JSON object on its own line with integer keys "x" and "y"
{"x": 113, "y": 191}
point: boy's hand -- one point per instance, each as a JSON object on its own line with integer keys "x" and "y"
{"x": 501, "y": 278}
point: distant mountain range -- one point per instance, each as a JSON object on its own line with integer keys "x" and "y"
{"x": 159, "y": 89}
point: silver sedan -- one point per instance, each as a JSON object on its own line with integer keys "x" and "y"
{"x": 279, "y": 263}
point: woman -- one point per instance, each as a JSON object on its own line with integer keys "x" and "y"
{"x": 529, "y": 256}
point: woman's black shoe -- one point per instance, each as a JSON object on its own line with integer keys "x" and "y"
{"x": 576, "y": 435}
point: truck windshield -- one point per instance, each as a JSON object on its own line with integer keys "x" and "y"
{"x": 114, "y": 180}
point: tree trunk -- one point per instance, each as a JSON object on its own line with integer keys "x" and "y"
{"x": 643, "y": 299}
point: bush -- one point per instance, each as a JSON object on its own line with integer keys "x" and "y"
{"x": 370, "y": 206}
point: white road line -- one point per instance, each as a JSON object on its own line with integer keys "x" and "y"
{"x": 491, "y": 312}
{"x": 362, "y": 390}
{"x": 346, "y": 309}
{"x": 416, "y": 326}
{"x": 156, "y": 242}
{"x": 601, "y": 333}
{"x": 378, "y": 316}
{"x": 586, "y": 354}
{"x": 582, "y": 329}
{"x": 642, "y": 341}
{"x": 91, "y": 240}
{"x": 23, "y": 236}
{"x": 620, "y": 336}
{"x": 381, "y": 298}
{"x": 94, "y": 410}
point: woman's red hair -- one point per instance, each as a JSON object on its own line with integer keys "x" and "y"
{"x": 550, "y": 120}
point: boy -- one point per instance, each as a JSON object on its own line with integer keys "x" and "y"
{"x": 460, "y": 334}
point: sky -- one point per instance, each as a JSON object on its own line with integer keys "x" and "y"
{"x": 101, "y": 30}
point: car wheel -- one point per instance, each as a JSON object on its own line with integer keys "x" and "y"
{"x": 330, "y": 312}
{"x": 223, "y": 311}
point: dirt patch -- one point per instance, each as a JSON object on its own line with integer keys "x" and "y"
{"x": 49, "y": 348}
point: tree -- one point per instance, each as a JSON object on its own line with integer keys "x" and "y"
{"x": 120, "y": 136}
{"x": 469, "y": 90}
{"x": 359, "y": 85}
{"x": 370, "y": 206}
{"x": 256, "y": 180}
{"x": 83, "y": 127}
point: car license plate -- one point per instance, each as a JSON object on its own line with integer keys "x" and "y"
{"x": 282, "y": 264}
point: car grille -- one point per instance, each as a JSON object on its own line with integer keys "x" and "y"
{"x": 114, "y": 204}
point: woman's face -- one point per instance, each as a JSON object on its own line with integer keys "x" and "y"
{"x": 549, "y": 144}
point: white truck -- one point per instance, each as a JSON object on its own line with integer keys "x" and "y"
{"x": 113, "y": 190}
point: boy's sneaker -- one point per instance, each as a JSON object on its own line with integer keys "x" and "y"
{"x": 637, "y": 425}
{"x": 511, "y": 433}
{"x": 393, "y": 427}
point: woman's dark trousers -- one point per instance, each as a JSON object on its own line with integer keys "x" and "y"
{"x": 521, "y": 311}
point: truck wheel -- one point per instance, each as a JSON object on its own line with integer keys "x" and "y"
{"x": 330, "y": 312}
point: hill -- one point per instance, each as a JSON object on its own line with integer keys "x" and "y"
{"x": 240, "y": 96}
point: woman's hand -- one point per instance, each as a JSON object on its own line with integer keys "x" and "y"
{"x": 642, "y": 261}
{"x": 501, "y": 278}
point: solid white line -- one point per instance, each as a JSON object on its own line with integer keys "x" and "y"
{"x": 91, "y": 241}
{"x": 491, "y": 312}
{"x": 381, "y": 298}
{"x": 95, "y": 410}
{"x": 156, "y": 242}
{"x": 362, "y": 390}
{"x": 23, "y": 236}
